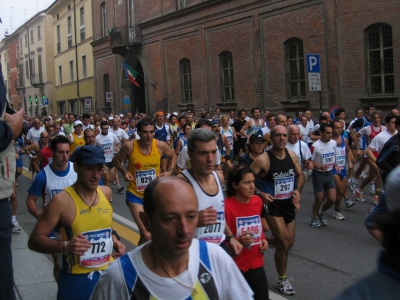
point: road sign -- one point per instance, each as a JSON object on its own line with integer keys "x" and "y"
{"x": 109, "y": 97}
{"x": 332, "y": 111}
{"x": 45, "y": 101}
{"x": 314, "y": 80}
{"x": 313, "y": 65}
{"x": 88, "y": 103}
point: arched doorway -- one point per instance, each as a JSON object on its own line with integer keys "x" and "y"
{"x": 137, "y": 94}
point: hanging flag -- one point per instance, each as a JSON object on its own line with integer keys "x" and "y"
{"x": 131, "y": 74}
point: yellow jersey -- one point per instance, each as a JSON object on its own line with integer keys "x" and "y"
{"x": 95, "y": 224}
{"x": 144, "y": 168}
{"x": 78, "y": 142}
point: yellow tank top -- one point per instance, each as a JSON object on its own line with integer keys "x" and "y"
{"x": 78, "y": 142}
{"x": 144, "y": 168}
{"x": 94, "y": 223}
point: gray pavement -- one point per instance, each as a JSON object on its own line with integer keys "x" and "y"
{"x": 33, "y": 272}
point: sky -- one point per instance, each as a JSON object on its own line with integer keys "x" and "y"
{"x": 21, "y": 11}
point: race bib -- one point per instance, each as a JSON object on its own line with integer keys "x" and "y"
{"x": 143, "y": 178}
{"x": 250, "y": 224}
{"x": 328, "y": 159}
{"x": 284, "y": 187}
{"x": 340, "y": 161}
{"x": 215, "y": 232}
{"x": 108, "y": 151}
{"x": 100, "y": 251}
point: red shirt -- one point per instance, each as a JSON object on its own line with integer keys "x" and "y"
{"x": 47, "y": 157}
{"x": 242, "y": 217}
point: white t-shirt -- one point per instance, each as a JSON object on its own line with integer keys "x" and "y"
{"x": 108, "y": 143}
{"x": 86, "y": 127}
{"x": 183, "y": 158}
{"x": 324, "y": 154}
{"x": 229, "y": 282}
{"x": 380, "y": 140}
{"x": 367, "y": 130}
{"x": 305, "y": 151}
{"x": 304, "y": 133}
{"x": 310, "y": 126}
{"x": 33, "y": 135}
{"x": 120, "y": 133}
{"x": 265, "y": 130}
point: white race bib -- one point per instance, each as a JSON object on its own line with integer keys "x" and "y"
{"x": 213, "y": 233}
{"x": 284, "y": 187}
{"x": 249, "y": 224}
{"x": 99, "y": 253}
{"x": 340, "y": 161}
{"x": 143, "y": 178}
{"x": 328, "y": 159}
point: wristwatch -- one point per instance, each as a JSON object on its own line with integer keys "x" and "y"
{"x": 229, "y": 237}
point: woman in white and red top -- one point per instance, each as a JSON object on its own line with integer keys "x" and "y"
{"x": 243, "y": 212}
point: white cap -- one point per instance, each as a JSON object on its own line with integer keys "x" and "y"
{"x": 121, "y": 115}
{"x": 76, "y": 123}
{"x": 392, "y": 184}
{"x": 175, "y": 113}
{"x": 110, "y": 118}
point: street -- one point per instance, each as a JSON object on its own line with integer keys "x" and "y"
{"x": 322, "y": 262}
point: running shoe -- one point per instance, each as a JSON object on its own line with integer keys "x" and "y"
{"x": 354, "y": 183}
{"x": 349, "y": 203}
{"x": 372, "y": 188}
{"x": 359, "y": 195}
{"x": 376, "y": 199}
{"x": 322, "y": 219}
{"x": 16, "y": 228}
{"x": 120, "y": 188}
{"x": 337, "y": 215}
{"x": 363, "y": 175}
{"x": 285, "y": 287}
{"x": 314, "y": 222}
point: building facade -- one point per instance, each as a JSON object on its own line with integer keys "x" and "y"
{"x": 73, "y": 56}
{"x": 11, "y": 59}
{"x": 243, "y": 53}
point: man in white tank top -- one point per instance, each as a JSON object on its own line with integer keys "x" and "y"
{"x": 211, "y": 226}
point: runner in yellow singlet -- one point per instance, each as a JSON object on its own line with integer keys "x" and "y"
{"x": 83, "y": 214}
{"x": 76, "y": 138}
{"x": 144, "y": 166}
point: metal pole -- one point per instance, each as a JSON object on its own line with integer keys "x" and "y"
{"x": 320, "y": 103}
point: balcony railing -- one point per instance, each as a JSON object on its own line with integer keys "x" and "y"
{"x": 125, "y": 35}
{"x": 37, "y": 80}
{"x": 19, "y": 83}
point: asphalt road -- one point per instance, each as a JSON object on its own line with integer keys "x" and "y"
{"x": 322, "y": 262}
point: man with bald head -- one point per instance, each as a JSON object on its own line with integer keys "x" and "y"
{"x": 172, "y": 265}
{"x": 299, "y": 147}
{"x": 280, "y": 188}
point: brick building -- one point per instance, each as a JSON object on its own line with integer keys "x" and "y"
{"x": 242, "y": 53}
{"x": 11, "y": 60}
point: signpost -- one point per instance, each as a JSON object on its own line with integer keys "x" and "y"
{"x": 109, "y": 97}
{"x": 314, "y": 76}
{"x": 45, "y": 101}
{"x": 88, "y": 103}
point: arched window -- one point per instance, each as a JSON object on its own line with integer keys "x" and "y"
{"x": 226, "y": 69}
{"x": 103, "y": 16}
{"x": 294, "y": 69}
{"x": 186, "y": 80}
{"x": 106, "y": 86}
{"x": 379, "y": 60}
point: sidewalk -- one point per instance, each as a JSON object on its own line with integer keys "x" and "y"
{"x": 33, "y": 272}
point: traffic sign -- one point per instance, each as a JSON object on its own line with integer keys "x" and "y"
{"x": 88, "y": 103}
{"x": 109, "y": 97}
{"x": 45, "y": 101}
{"x": 313, "y": 65}
{"x": 314, "y": 80}
{"x": 332, "y": 111}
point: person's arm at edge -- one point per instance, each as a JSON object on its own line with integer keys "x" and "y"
{"x": 125, "y": 151}
{"x": 167, "y": 151}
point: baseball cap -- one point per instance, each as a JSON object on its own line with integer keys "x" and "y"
{"x": 110, "y": 118}
{"x": 175, "y": 113}
{"x": 90, "y": 155}
{"x": 76, "y": 123}
{"x": 256, "y": 137}
{"x": 121, "y": 115}
{"x": 215, "y": 122}
{"x": 392, "y": 183}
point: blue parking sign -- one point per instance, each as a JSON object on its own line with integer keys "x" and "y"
{"x": 313, "y": 65}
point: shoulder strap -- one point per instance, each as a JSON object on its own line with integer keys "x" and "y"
{"x": 301, "y": 153}
{"x": 129, "y": 272}
{"x": 204, "y": 258}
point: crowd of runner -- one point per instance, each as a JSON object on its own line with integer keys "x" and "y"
{"x": 258, "y": 162}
